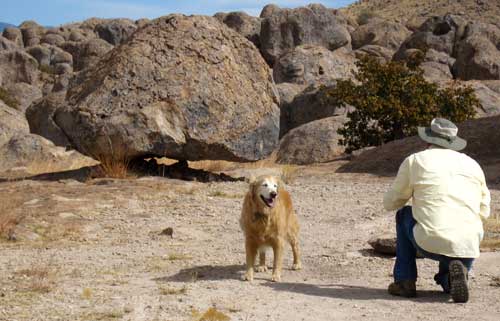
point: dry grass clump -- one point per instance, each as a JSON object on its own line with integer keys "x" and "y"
{"x": 172, "y": 291}
{"x": 289, "y": 173}
{"x": 10, "y": 215}
{"x": 223, "y": 194}
{"x": 212, "y": 314}
{"x": 178, "y": 257}
{"x": 491, "y": 226}
{"x": 39, "y": 278}
{"x": 115, "y": 167}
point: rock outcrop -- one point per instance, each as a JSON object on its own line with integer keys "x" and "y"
{"x": 23, "y": 154}
{"x": 284, "y": 29}
{"x": 183, "y": 87}
{"x": 314, "y": 142}
{"x": 309, "y": 65}
{"x": 244, "y": 24}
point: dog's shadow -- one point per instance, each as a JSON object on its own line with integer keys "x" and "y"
{"x": 352, "y": 292}
{"x": 206, "y": 272}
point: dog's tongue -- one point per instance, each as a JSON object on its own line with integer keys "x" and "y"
{"x": 270, "y": 202}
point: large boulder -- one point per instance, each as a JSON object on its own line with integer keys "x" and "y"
{"x": 32, "y": 33}
{"x": 6, "y": 44}
{"x": 489, "y": 98}
{"x": 14, "y": 34}
{"x": 116, "y": 31}
{"x": 382, "y": 54}
{"x": 244, "y": 24}
{"x": 23, "y": 154}
{"x": 17, "y": 66}
{"x": 438, "y": 33}
{"x": 11, "y": 122}
{"x": 482, "y": 137}
{"x": 478, "y": 53}
{"x": 285, "y": 29}
{"x": 380, "y": 32}
{"x": 40, "y": 118}
{"x": 86, "y": 53}
{"x": 309, "y": 64}
{"x": 314, "y": 142}
{"x": 23, "y": 93}
{"x": 206, "y": 96}
{"x": 307, "y": 106}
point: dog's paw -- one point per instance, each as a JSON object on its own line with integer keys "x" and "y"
{"x": 276, "y": 278}
{"x": 297, "y": 266}
{"x": 261, "y": 268}
{"x": 247, "y": 277}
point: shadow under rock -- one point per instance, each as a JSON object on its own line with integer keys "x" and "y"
{"x": 351, "y": 292}
{"x": 205, "y": 272}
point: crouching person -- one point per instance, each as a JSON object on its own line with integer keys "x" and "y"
{"x": 449, "y": 196}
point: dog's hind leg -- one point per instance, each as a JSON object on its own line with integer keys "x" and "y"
{"x": 251, "y": 251}
{"x": 294, "y": 242}
{"x": 278, "y": 260}
{"x": 262, "y": 260}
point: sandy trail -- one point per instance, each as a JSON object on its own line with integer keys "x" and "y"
{"x": 109, "y": 261}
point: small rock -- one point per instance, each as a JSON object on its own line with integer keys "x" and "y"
{"x": 168, "y": 232}
{"x": 384, "y": 244}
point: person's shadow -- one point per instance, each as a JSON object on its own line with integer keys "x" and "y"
{"x": 352, "y": 292}
{"x": 340, "y": 291}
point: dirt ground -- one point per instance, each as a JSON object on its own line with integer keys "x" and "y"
{"x": 95, "y": 251}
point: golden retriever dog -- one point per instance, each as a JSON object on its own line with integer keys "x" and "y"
{"x": 268, "y": 220}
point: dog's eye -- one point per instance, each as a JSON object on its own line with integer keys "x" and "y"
{"x": 265, "y": 184}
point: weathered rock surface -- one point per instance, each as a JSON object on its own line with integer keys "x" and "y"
{"x": 244, "y": 24}
{"x": 307, "y": 106}
{"x": 478, "y": 53}
{"x": 23, "y": 154}
{"x": 41, "y": 122}
{"x": 87, "y": 53}
{"x": 285, "y": 29}
{"x": 17, "y": 66}
{"x": 380, "y": 32}
{"x": 438, "y": 33}
{"x": 314, "y": 142}
{"x": 11, "y": 122}
{"x": 208, "y": 95}
{"x": 6, "y": 44}
{"x": 24, "y": 94}
{"x": 116, "y": 31}
{"x": 381, "y": 53}
{"x": 14, "y": 35}
{"x": 308, "y": 64}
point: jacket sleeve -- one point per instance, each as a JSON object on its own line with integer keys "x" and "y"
{"x": 484, "y": 211}
{"x": 401, "y": 191}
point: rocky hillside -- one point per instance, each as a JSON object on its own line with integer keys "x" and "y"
{"x": 229, "y": 87}
{"x": 414, "y": 12}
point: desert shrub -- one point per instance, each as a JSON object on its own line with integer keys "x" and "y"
{"x": 8, "y": 99}
{"x": 390, "y": 100}
{"x": 365, "y": 16}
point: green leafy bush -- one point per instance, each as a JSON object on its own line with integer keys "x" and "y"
{"x": 392, "y": 99}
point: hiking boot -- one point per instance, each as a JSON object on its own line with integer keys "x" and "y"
{"x": 405, "y": 289}
{"x": 459, "y": 289}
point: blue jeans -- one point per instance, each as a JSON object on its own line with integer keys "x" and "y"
{"x": 405, "y": 267}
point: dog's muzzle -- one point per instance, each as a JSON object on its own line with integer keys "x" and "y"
{"x": 270, "y": 202}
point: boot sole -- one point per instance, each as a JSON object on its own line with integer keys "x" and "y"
{"x": 458, "y": 282}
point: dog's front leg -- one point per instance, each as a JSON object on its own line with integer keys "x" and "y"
{"x": 262, "y": 260}
{"x": 251, "y": 251}
{"x": 278, "y": 260}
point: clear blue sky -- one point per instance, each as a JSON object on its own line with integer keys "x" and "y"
{"x": 56, "y": 12}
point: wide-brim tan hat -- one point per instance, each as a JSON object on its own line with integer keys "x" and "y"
{"x": 442, "y": 132}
